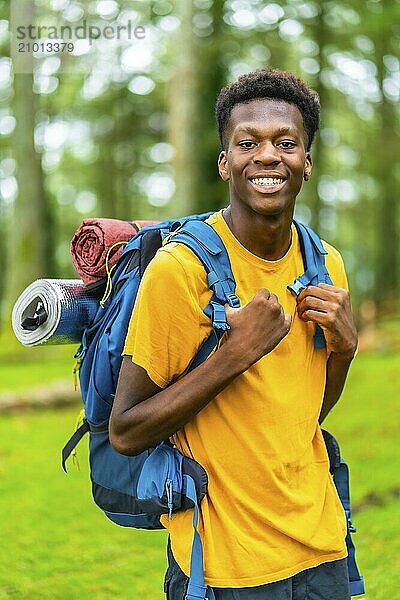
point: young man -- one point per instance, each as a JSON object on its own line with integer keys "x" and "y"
{"x": 272, "y": 524}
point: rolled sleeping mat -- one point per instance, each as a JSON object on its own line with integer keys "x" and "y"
{"x": 99, "y": 242}
{"x": 53, "y": 311}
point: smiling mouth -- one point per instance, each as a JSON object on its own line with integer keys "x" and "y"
{"x": 267, "y": 181}
{"x": 267, "y": 185}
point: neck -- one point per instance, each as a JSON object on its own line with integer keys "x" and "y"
{"x": 267, "y": 237}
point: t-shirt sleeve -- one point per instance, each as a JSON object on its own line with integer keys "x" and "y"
{"x": 164, "y": 331}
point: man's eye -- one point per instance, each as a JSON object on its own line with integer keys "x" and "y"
{"x": 287, "y": 144}
{"x": 247, "y": 144}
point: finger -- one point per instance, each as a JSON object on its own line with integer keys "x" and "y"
{"x": 315, "y": 291}
{"x": 314, "y": 304}
{"x": 229, "y": 311}
{"x": 333, "y": 288}
{"x": 341, "y": 294}
{"x": 315, "y": 316}
{"x": 274, "y": 298}
{"x": 264, "y": 293}
{"x": 286, "y": 325}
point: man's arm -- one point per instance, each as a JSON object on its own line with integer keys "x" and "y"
{"x": 330, "y": 307}
{"x": 143, "y": 414}
{"x": 337, "y": 368}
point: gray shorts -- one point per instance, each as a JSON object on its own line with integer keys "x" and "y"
{"x": 328, "y": 581}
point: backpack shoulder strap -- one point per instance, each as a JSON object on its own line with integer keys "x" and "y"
{"x": 341, "y": 479}
{"x": 197, "y": 588}
{"x": 313, "y": 254}
{"x": 207, "y": 245}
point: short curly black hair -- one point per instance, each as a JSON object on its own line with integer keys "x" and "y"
{"x": 274, "y": 84}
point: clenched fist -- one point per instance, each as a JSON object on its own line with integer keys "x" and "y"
{"x": 258, "y": 327}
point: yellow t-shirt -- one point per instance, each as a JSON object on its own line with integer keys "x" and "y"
{"x": 272, "y": 509}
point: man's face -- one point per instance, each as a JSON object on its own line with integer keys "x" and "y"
{"x": 265, "y": 159}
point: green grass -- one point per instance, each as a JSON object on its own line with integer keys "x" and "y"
{"x": 378, "y": 550}
{"x": 58, "y": 546}
{"x": 21, "y": 368}
{"x": 367, "y": 423}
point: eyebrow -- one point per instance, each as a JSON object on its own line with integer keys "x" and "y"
{"x": 255, "y": 131}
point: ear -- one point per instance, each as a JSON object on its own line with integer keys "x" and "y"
{"x": 223, "y": 167}
{"x": 308, "y": 165}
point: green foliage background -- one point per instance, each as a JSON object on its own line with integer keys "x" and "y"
{"x": 127, "y": 129}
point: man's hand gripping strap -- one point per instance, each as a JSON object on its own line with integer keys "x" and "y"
{"x": 313, "y": 254}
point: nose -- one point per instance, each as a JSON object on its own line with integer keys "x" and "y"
{"x": 266, "y": 153}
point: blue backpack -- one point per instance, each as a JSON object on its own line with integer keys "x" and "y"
{"x": 133, "y": 491}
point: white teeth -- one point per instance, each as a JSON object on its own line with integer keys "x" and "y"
{"x": 267, "y": 180}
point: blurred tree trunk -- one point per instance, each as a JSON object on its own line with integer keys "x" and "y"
{"x": 321, "y": 35}
{"x": 105, "y": 182}
{"x": 106, "y": 178}
{"x": 210, "y": 192}
{"x": 387, "y": 266}
{"x": 182, "y": 134}
{"x": 31, "y": 247}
